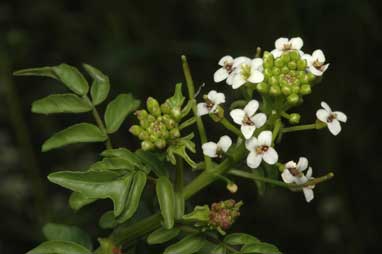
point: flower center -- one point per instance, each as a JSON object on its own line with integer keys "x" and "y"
{"x": 247, "y": 120}
{"x": 287, "y": 46}
{"x": 318, "y": 65}
{"x": 289, "y": 78}
{"x": 294, "y": 172}
{"x": 245, "y": 71}
{"x": 262, "y": 149}
{"x": 209, "y": 104}
{"x": 331, "y": 117}
{"x": 228, "y": 67}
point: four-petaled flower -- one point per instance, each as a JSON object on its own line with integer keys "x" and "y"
{"x": 284, "y": 45}
{"x": 316, "y": 62}
{"x": 248, "y": 119}
{"x": 229, "y": 64}
{"x": 213, "y": 150}
{"x": 247, "y": 70}
{"x": 331, "y": 118}
{"x": 293, "y": 173}
{"x": 260, "y": 149}
{"x": 212, "y": 100}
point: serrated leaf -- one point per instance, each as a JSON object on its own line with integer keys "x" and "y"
{"x": 72, "y": 78}
{"x": 78, "y": 200}
{"x": 188, "y": 245}
{"x": 166, "y": 198}
{"x": 59, "y": 247}
{"x": 240, "y": 239}
{"x": 162, "y": 235}
{"x": 260, "y": 247}
{"x": 61, "y": 103}
{"x": 101, "y": 84}
{"x": 118, "y": 109}
{"x": 78, "y": 133}
{"x": 94, "y": 184}
{"x": 53, "y": 231}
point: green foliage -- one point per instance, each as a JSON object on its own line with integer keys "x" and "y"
{"x": 166, "y": 198}
{"x": 78, "y": 200}
{"x": 188, "y": 245}
{"x": 59, "y": 247}
{"x": 61, "y": 103}
{"x": 118, "y": 109}
{"x": 78, "y": 133}
{"x": 101, "y": 85}
{"x": 162, "y": 235}
{"x": 62, "y": 232}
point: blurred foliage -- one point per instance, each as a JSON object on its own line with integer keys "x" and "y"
{"x": 138, "y": 44}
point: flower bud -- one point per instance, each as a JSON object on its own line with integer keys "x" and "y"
{"x": 153, "y": 106}
{"x": 143, "y": 135}
{"x": 311, "y": 77}
{"x": 273, "y": 81}
{"x": 285, "y": 58}
{"x": 147, "y": 145}
{"x": 286, "y": 90}
{"x": 174, "y": 133}
{"x": 165, "y": 108}
{"x": 276, "y": 71}
{"x": 295, "y": 89}
{"x": 160, "y": 143}
{"x": 305, "y": 89}
{"x": 135, "y": 130}
{"x": 284, "y": 70}
{"x": 232, "y": 187}
{"x": 267, "y": 73}
{"x": 294, "y": 55}
{"x": 169, "y": 122}
{"x": 279, "y": 63}
{"x": 262, "y": 87}
{"x": 294, "y": 118}
{"x": 141, "y": 114}
{"x": 293, "y": 99}
{"x": 301, "y": 65}
{"x": 292, "y": 65}
{"x": 176, "y": 113}
{"x": 275, "y": 90}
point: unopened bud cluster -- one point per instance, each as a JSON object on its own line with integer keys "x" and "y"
{"x": 157, "y": 125}
{"x": 224, "y": 213}
{"x": 286, "y": 76}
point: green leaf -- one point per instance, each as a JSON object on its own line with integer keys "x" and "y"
{"x": 177, "y": 100}
{"x": 179, "y": 205}
{"x": 118, "y": 109}
{"x": 78, "y": 133}
{"x": 180, "y": 147}
{"x": 127, "y": 155}
{"x": 219, "y": 250}
{"x": 94, "y": 184}
{"x": 260, "y": 247}
{"x": 62, "y": 232}
{"x": 166, "y": 198}
{"x": 240, "y": 239}
{"x": 68, "y": 75}
{"x": 112, "y": 164}
{"x": 101, "y": 84}
{"x": 153, "y": 163}
{"x": 134, "y": 197}
{"x": 199, "y": 214}
{"x": 59, "y": 247}
{"x": 61, "y": 103}
{"x": 162, "y": 235}
{"x": 78, "y": 200}
{"x": 188, "y": 245}
{"x": 108, "y": 220}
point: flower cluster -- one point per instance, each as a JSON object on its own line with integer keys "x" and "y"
{"x": 224, "y": 213}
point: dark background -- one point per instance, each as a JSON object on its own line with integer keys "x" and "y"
{"x": 138, "y": 44}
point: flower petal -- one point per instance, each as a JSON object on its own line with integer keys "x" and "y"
{"x": 296, "y": 43}
{"x": 251, "y": 144}
{"x": 229, "y": 80}
{"x": 220, "y": 75}
{"x": 276, "y": 53}
{"x": 209, "y": 149}
{"x": 225, "y": 60}
{"x": 280, "y": 42}
{"x": 309, "y": 173}
{"x": 265, "y": 138}
{"x": 308, "y": 58}
{"x": 309, "y": 194}
{"x": 241, "y": 60}
{"x": 256, "y": 77}
{"x": 224, "y": 143}
{"x": 238, "y": 80}
{"x": 271, "y": 156}
{"x": 322, "y": 115}
{"x": 237, "y": 116}
{"x": 247, "y": 130}
{"x": 302, "y": 164}
{"x": 334, "y": 127}
{"x": 254, "y": 160}
{"x": 341, "y": 116}
{"x": 251, "y": 107}
{"x": 287, "y": 176}
{"x": 257, "y": 63}
{"x": 319, "y": 56}
{"x": 315, "y": 71}
{"x": 326, "y": 106}
{"x": 202, "y": 109}
{"x": 215, "y": 97}
{"x": 259, "y": 119}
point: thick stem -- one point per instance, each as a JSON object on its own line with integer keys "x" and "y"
{"x": 313, "y": 126}
{"x": 179, "y": 175}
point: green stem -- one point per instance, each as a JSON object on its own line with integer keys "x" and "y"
{"x": 276, "y": 129}
{"x": 229, "y": 126}
{"x": 191, "y": 94}
{"x": 179, "y": 175}
{"x": 187, "y": 123}
{"x": 313, "y": 126}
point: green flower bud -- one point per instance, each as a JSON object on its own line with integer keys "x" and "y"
{"x": 174, "y": 133}
{"x": 305, "y": 89}
{"x": 286, "y": 90}
{"x": 276, "y": 71}
{"x": 141, "y": 114}
{"x": 160, "y": 143}
{"x": 267, "y": 55}
{"x": 262, "y": 87}
{"x": 165, "y": 108}
{"x": 153, "y": 106}
{"x": 144, "y": 123}
{"x": 293, "y": 99}
{"x": 292, "y": 73}
{"x": 267, "y": 73}
{"x": 301, "y": 65}
{"x": 292, "y": 65}
{"x": 284, "y": 70}
{"x": 283, "y": 82}
{"x": 273, "y": 81}
{"x": 176, "y": 113}
{"x": 143, "y": 135}
{"x": 311, "y": 77}
{"x": 294, "y": 118}
{"x": 135, "y": 130}
{"x": 294, "y": 55}
{"x": 295, "y": 89}
{"x": 232, "y": 187}
{"x": 147, "y": 145}
{"x": 268, "y": 62}
{"x": 296, "y": 82}
{"x": 169, "y": 122}
{"x": 304, "y": 78}
{"x": 285, "y": 58}
{"x": 274, "y": 90}
{"x": 279, "y": 63}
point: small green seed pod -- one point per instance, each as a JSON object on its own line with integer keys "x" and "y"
{"x": 275, "y": 90}
{"x": 153, "y": 106}
{"x": 305, "y": 89}
{"x": 136, "y": 130}
{"x": 147, "y": 145}
{"x": 262, "y": 87}
{"x": 293, "y": 99}
{"x": 294, "y": 118}
{"x": 144, "y": 123}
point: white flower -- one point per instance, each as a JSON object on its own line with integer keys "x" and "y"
{"x": 316, "y": 62}
{"x": 260, "y": 149}
{"x": 293, "y": 173}
{"x": 229, "y": 65}
{"x": 213, "y": 150}
{"x": 248, "y": 119}
{"x": 247, "y": 70}
{"x": 331, "y": 118}
{"x": 284, "y": 45}
{"x": 213, "y": 99}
